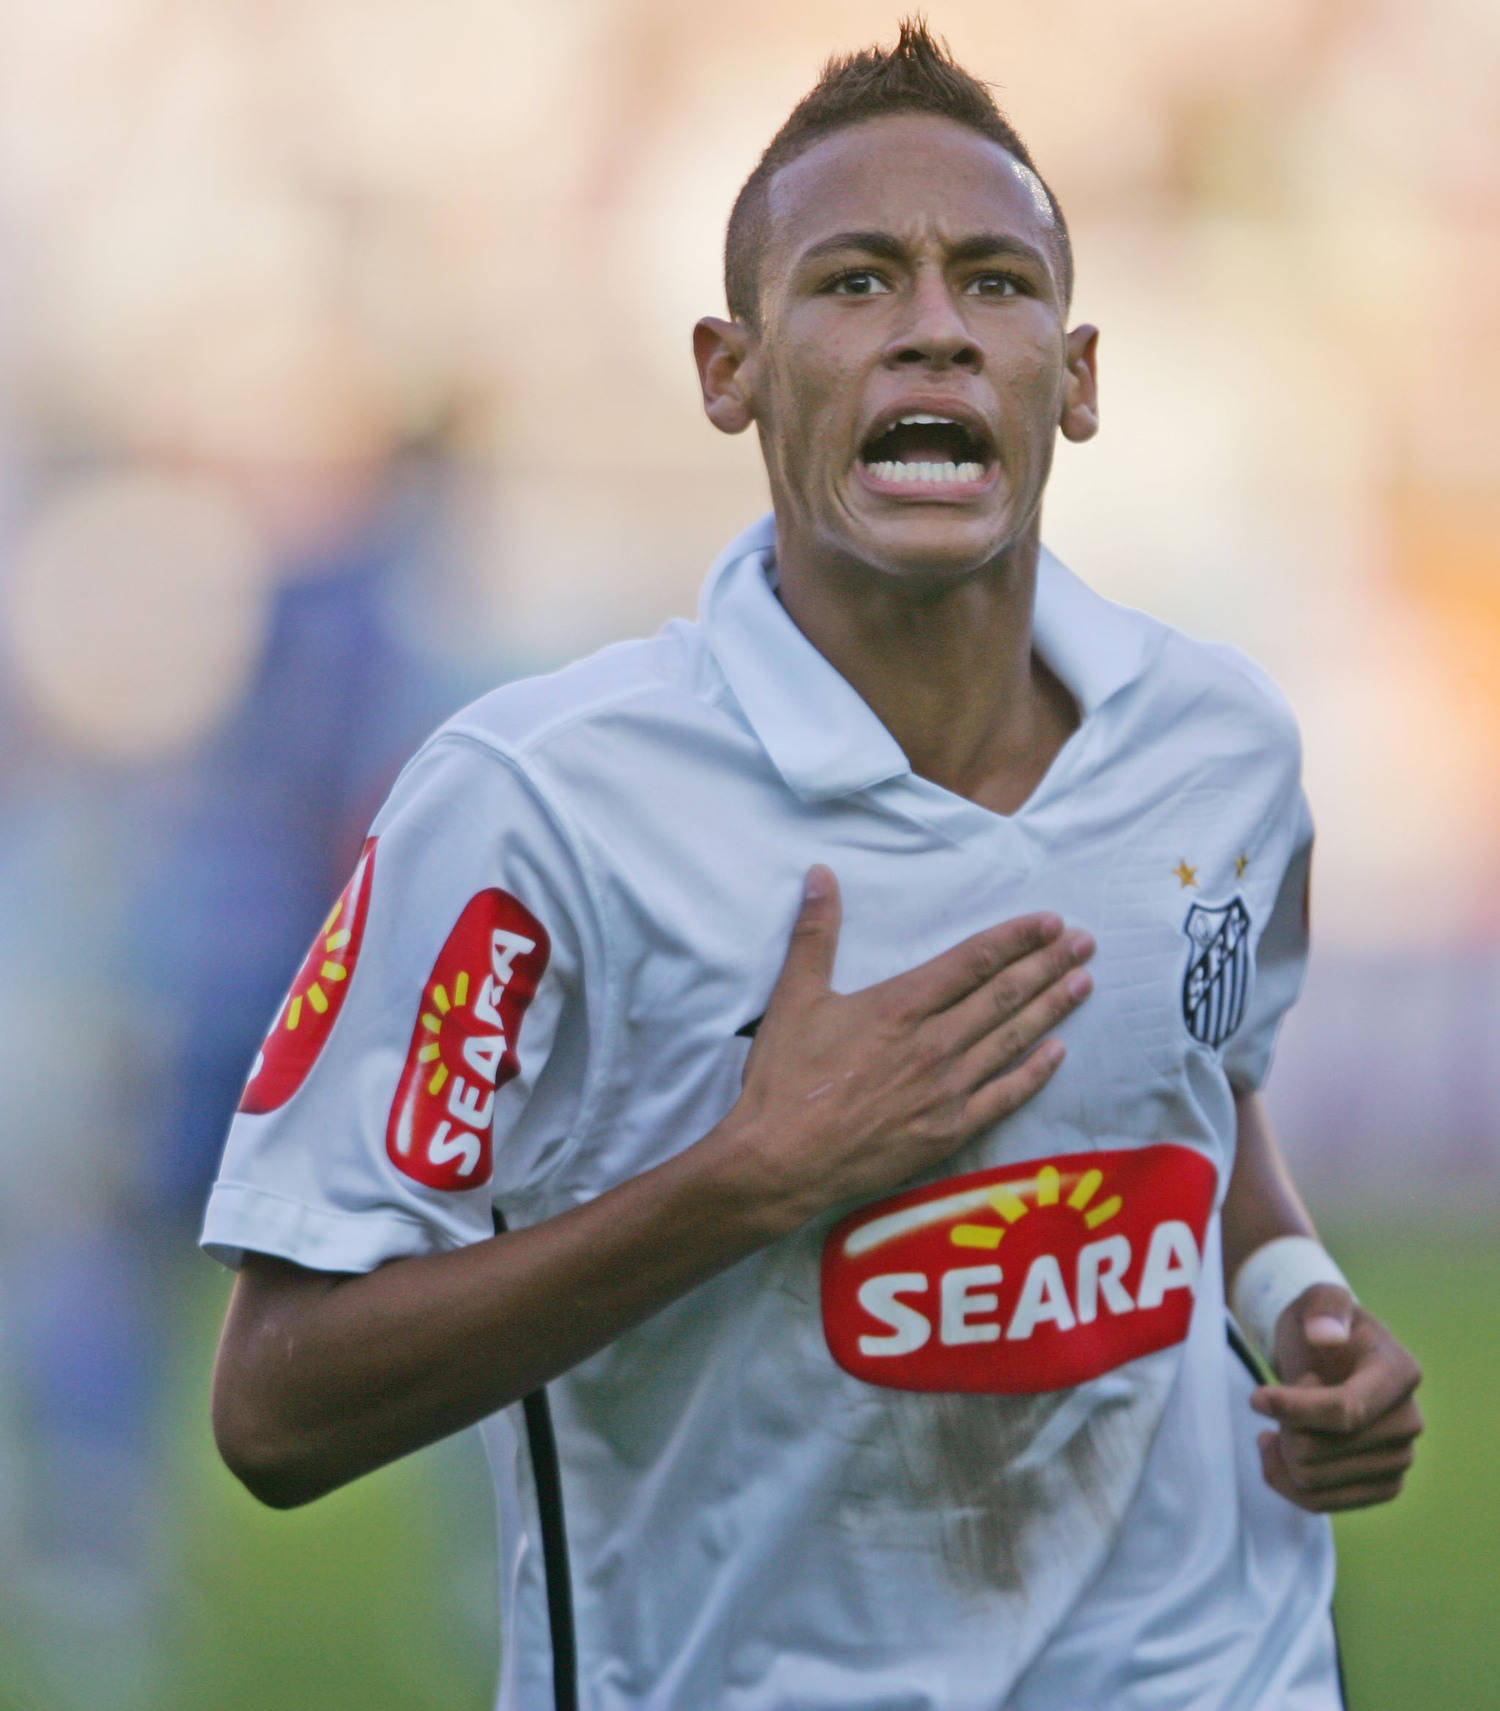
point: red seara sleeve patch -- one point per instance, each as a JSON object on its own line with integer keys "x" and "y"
{"x": 309, "y": 1010}
{"x": 463, "y": 1044}
{"x": 1022, "y": 1279}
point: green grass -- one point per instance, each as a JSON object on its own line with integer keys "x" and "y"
{"x": 379, "y": 1598}
{"x": 346, "y": 1603}
{"x": 1419, "y": 1586}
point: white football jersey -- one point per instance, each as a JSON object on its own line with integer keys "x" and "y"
{"x": 981, "y": 1443}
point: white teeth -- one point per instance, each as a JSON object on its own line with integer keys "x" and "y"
{"x": 916, "y": 472}
{"x": 919, "y": 420}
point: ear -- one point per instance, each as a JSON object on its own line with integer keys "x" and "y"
{"x": 720, "y": 349}
{"x": 1080, "y": 409}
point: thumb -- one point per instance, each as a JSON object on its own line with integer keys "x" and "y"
{"x": 1327, "y": 1316}
{"x": 1322, "y": 1320}
{"x": 815, "y": 934}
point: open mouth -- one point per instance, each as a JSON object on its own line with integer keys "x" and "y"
{"x": 921, "y": 449}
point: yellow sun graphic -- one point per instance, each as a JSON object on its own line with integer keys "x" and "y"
{"x": 433, "y": 1023}
{"x": 1044, "y": 1189}
{"x": 333, "y": 969}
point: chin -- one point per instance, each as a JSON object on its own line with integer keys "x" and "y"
{"x": 930, "y": 547}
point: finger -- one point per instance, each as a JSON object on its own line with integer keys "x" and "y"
{"x": 1351, "y": 1497}
{"x": 1382, "y": 1380}
{"x": 1401, "y": 1426}
{"x": 954, "y": 973}
{"x": 1346, "y": 1470}
{"x": 1003, "y": 1094}
{"x": 808, "y": 965}
{"x": 976, "y": 1016}
{"x": 1335, "y": 1408}
{"x": 1273, "y": 1467}
{"x": 1010, "y": 1038}
{"x": 1325, "y": 1313}
{"x": 1359, "y": 1496}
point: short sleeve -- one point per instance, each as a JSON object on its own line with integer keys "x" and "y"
{"x": 1280, "y": 957}
{"x": 432, "y": 1054}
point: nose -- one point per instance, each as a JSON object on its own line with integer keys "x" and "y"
{"x": 934, "y": 333}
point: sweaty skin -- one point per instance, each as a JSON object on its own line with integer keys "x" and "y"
{"x": 909, "y": 268}
{"x": 910, "y": 265}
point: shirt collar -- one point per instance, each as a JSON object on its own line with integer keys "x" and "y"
{"x": 1095, "y": 647}
{"x": 819, "y": 733}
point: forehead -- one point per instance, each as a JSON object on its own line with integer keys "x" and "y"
{"x": 905, "y": 173}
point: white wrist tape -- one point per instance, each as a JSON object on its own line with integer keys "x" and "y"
{"x": 1272, "y": 1279}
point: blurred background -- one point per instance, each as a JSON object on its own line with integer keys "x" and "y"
{"x": 344, "y": 372}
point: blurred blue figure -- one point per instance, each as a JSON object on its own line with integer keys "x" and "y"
{"x": 264, "y": 825}
{"x": 155, "y": 915}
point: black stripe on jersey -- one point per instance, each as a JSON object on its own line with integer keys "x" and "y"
{"x": 1247, "y": 1359}
{"x": 1247, "y": 1356}
{"x": 543, "y": 1446}
{"x": 541, "y": 1443}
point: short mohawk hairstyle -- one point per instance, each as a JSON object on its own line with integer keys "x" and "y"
{"x": 917, "y": 75}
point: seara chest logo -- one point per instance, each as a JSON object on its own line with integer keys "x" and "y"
{"x": 309, "y": 1010}
{"x": 463, "y": 1044}
{"x": 1021, "y": 1279}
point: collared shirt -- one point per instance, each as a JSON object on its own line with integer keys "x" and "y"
{"x": 980, "y": 1442}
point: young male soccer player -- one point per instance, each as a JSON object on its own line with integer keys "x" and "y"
{"x": 884, "y": 1346}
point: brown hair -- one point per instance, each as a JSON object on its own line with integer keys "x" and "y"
{"x": 917, "y": 75}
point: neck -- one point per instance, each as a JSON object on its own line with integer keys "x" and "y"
{"x": 949, "y": 670}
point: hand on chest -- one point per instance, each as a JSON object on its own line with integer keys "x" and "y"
{"x": 1175, "y": 896}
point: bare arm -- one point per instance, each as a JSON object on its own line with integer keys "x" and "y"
{"x": 321, "y": 1378}
{"x": 1262, "y": 1202}
{"x": 1345, "y": 1414}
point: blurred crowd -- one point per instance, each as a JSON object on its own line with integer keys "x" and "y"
{"x": 344, "y": 371}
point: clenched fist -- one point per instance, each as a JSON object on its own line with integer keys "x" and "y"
{"x": 1345, "y": 1412}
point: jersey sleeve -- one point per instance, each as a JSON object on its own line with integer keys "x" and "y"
{"x": 432, "y": 1054}
{"x": 1280, "y": 957}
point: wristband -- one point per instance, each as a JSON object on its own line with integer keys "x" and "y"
{"x": 1272, "y": 1279}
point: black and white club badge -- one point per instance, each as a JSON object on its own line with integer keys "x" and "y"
{"x": 1217, "y": 982}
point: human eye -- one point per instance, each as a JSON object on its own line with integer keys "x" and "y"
{"x": 996, "y": 284}
{"x": 857, "y": 282}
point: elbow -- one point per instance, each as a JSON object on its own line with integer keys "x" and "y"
{"x": 269, "y": 1483}
{"x": 264, "y": 1455}
{"x": 269, "y": 1421}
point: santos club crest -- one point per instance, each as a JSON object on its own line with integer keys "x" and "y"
{"x": 1217, "y": 982}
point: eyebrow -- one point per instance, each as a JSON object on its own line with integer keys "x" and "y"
{"x": 976, "y": 248}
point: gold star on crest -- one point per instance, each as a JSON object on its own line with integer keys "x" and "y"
{"x": 1241, "y": 862}
{"x": 1188, "y": 875}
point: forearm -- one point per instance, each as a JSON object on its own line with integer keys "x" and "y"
{"x": 323, "y": 1378}
{"x": 1343, "y": 1410}
{"x": 1262, "y": 1202}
